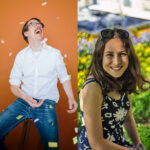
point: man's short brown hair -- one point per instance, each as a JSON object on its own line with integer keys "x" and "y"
{"x": 25, "y": 27}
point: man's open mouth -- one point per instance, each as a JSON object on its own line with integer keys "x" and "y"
{"x": 38, "y": 31}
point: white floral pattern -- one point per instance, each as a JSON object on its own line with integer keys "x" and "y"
{"x": 110, "y": 137}
{"x": 115, "y": 104}
{"x": 105, "y": 106}
{"x": 120, "y": 114}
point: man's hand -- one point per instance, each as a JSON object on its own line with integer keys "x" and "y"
{"x": 71, "y": 101}
{"x": 32, "y": 102}
{"x": 19, "y": 93}
{"x": 72, "y": 106}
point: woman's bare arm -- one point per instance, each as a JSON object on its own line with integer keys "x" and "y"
{"x": 130, "y": 126}
{"x": 91, "y": 102}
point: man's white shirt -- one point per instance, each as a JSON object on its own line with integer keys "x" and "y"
{"x": 38, "y": 72}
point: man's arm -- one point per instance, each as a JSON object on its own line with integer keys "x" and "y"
{"x": 15, "y": 81}
{"x": 71, "y": 101}
{"x": 64, "y": 79}
{"x": 19, "y": 93}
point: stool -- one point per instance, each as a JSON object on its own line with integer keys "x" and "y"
{"x": 25, "y": 134}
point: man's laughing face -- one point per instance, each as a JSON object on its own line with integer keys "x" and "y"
{"x": 35, "y": 30}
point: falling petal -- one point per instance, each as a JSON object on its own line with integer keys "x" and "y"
{"x": 2, "y": 41}
{"x": 21, "y": 22}
{"x": 76, "y": 130}
{"x": 65, "y": 55}
{"x": 50, "y": 106}
{"x": 57, "y": 18}
{"x": 44, "y": 3}
{"x": 69, "y": 77}
{"x": 37, "y": 119}
{"x": 19, "y": 117}
{"x": 10, "y": 54}
{"x": 52, "y": 124}
{"x": 52, "y": 144}
{"x": 75, "y": 140}
{"x": 44, "y": 41}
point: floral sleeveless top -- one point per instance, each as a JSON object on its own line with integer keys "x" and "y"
{"x": 113, "y": 113}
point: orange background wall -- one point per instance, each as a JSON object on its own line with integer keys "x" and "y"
{"x": 60, "y": 19}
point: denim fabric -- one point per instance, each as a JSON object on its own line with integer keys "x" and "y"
{"x": 44, "y": 117}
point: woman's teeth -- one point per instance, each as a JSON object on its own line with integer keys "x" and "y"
{"x": 116, "y": 68}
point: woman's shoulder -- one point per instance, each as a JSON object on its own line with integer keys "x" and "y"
{"x": 91, "y": 83}
{"x": 91, "y": 86}
{"x": 91, "y": 94}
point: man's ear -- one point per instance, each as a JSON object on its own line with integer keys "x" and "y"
{"x": 26, "y": 33}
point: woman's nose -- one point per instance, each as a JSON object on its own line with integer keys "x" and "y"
{"x": 116, "y": 60}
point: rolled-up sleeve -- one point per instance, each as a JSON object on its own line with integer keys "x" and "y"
{"x": 61, "y": 68}
{"x": 16, "y": 72}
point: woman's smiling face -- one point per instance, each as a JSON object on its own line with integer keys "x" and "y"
{"x": 115, "y": 58}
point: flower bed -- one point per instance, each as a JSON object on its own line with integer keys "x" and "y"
{"x": 141, "y": 102}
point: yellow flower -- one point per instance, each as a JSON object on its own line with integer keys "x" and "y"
{"x": 139, "y": 54}
{"x": 143, "y": 64}
{"x": 139, "y": 46}
{"x": 81, "y": 73}
{"x": 83, "y": 60}
{"x": 147, "y": 50}
{"x": 148, "y": 60}
{"x": 148, "y": 69}
{"x": 91, "y": 39}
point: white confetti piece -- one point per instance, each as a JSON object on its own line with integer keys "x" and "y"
{"x": 21, "y": 22}
{"x": 2, "y": 41}
{"x": 57, "y": 18}
{"x": 10, "y": 54}
{"x": 37, "y": 119}
{"x": 44, "y": 41}
{"x": 65, "y": 56}
{"x": 44, "y": 3}
{"x": 76, "y": 130}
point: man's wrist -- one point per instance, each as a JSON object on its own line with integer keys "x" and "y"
{"x": 25, "y": 97}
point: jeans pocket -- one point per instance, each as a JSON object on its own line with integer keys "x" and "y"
{"x": 22, "y": 101}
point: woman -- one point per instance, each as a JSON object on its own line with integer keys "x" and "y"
{"x": 105, "y": 99}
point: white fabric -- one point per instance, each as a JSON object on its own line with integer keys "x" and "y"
{"x": 38, "y": 73}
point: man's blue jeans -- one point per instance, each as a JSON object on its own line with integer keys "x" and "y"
{"x": 44, "y": 117}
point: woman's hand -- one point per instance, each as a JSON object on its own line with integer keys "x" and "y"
{"x": 140, "y": 147}
{"x": 132, "y": 148}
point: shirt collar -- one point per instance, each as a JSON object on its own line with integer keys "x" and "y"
{"x": 45, "y": 47}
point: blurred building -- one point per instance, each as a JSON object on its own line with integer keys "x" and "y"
{"x": 143, "y": 5}
{"x": 140, "y": 5}
{"x": 94, "y": 15}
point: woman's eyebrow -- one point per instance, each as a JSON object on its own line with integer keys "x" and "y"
{"x": 108, "y": 51}
{"x": 123, "y": 51}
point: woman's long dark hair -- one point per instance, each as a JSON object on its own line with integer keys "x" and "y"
{"x": 130, "y": 79}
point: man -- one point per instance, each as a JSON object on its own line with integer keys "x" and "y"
{"x": 33, "y": 80}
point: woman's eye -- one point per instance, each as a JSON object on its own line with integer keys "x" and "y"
{"x": 123, "y": 54}
{"x": 110, "y": 55}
